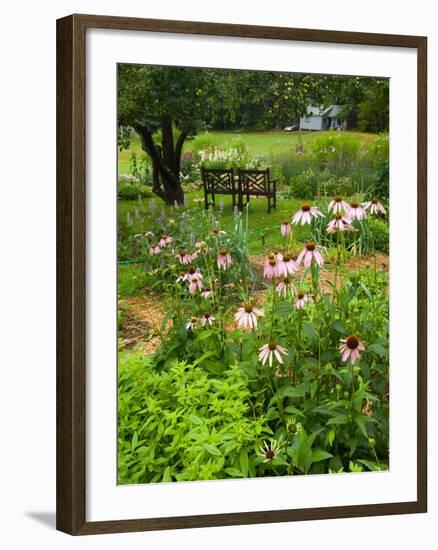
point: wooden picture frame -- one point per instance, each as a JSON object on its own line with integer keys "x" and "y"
{"x": 71, "y": 272}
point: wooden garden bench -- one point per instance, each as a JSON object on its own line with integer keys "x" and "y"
{"x": 219, "y": 182}
{"x": 252, "y": 183}
{"x": 257, "y": 183}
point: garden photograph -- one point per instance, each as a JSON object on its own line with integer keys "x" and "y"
{"x": 253, "y": 274}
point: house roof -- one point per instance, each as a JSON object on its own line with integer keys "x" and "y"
{"x": 331, "y": 111}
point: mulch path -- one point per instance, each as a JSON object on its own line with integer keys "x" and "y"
{"x": 143, "y": 315}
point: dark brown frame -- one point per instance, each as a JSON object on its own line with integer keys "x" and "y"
{"x": 71, "y": 266}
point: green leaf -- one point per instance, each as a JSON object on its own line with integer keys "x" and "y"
{"x": 134, "y": 440}
{"x": 203, "y": 357}
{"x": 283, "y": 309}
{"x": 244, "y": 462}
{"x": 339, "y": 327}
{"x": 290, "y": 391}
{"x": 319, "y": 454}
{"x": 166, "y": 475}
{"x": 310, "y": 333}
{"x": 360, "y": 421}
{"x": 212, "y": 449}
{"x": 378, "y": 349}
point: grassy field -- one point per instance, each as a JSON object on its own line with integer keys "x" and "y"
{"x": 259, "y": 143}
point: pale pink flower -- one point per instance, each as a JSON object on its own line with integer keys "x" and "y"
{"x": 181, "y": 277}
{"x": 207, "y": 319}
{"x": 285, "y": 228}
{"x": 306, "y": 213}
{"x": 339, "y": 223}
{"x": 375, "y": 206}
{"x": 356, "y": 212}
{"x": 192, "y": 272}
{"x": 191, "y": 324}
{"x": 154, "y": 249}
{"x": 200, "y": 244}
{"x": 285, "y": 286}
{"x": 224, "y": 259}
{"x": 246, "y": 316}
{"x": 271, "y": 268}
{"x": 309, "y": 253}
{"x": 271, "y": 350}
{"x": 338, "y": 205}
{"x": 195, "y": 284}
{"x": 193, "y": 255}
{"x": 183, "y": 257}
{"x": 286, "y": 265}
{"x": 165, "y": 240}
{"x": 301, "y": 300}
{"x": 207, "y": 292}
{"x": 217, "y": 232}
{"x": 350, "y": 348}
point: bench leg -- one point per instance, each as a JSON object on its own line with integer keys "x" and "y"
{"x": 269, "y": 204}
{"x": 275, "y": 201}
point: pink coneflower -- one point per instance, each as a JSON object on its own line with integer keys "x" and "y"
{"x": 306, "y": 213}
{"x": 309, "y": 253}
{"x": 350, "y": 348}
{"x": 195, "y": 284}
{"x": 207, "y": 319}
{"x": 375, "y": 206}
{"x": 339, "y": 223}
{"x": 270, "y": 268}
{"x": 181, "y": 277}
{"x": 269, "y": 451}
{"x": 285, "y": 228}
{"x": 246, "y": 316}
{"x": 192, "y": 272}
{"x": 356, "y": 212}
{"x": 217, "y": 232}
{"x": 268, "y": 351}
{"x": 154, "y": 249}
{"x": 338, "y": 205}
{"x": 286, "y": 265}
{"x": 193, "y": 255}
{"x": 202, "y": 247}
{"x": 284, "y": 286}
{"x": 165, "y": 240}
{"x": 191, "y": 324}
{"x": 183, "y": 257}
{"x": 207, "y": 292}
{"x": 301, "y": 300}
{"x": 223, "y": 259}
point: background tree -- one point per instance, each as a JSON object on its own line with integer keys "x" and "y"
{"x": 163, "y": 105}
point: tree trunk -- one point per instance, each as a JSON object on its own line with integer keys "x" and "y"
{"x": 166, "y": 161}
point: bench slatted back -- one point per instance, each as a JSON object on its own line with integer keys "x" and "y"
{"x": 217, "y": 180}
{"x": 254, "y": 181}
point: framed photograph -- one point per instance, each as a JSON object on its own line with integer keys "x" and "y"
{"x": 241, "y": 274}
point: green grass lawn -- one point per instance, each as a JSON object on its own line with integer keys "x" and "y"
{"x": 259, "y": 143}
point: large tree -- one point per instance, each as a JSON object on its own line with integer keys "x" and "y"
{"x": 168, "y": 102}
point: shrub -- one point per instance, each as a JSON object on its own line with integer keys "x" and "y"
{"x": 132, "y": 190}
{"x": 203, "y": 141}
{"x": 336, "y": 151}
{"x": 380, "y": 234}
{"x": 336, "y": 186}
{"x": 305, "y": 186}
{"x": 182, "y": 424}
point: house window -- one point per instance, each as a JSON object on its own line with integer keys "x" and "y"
{"x": 307, "y": 119}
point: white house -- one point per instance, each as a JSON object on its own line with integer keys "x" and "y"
{"x": 319, "y": 118}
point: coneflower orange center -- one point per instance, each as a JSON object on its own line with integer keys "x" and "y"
{"x": 248, "y": 308}
{"x": 270, "y": 454}
{"x": 285, "y": 222}
{"x": 272, "y": 345}
{"x": 374, "y": 201}
{"x": 223, "y": 252}
{"x": 305, "y": 207}
{"x": 286, "y": 280}
{"x": 338, "y": 217}
{"x": 272, "y": 261}
{"x": 192, "y": 270}
{"x": 338, "y": 199}
{"x": 206, "y": 315}
{"x": 352, "y": 342}
{"x": 354, "y": 205}
{"x": 286, "y": 258}
{"x": 300, "y": 295}
{"x": 310, "y": 245}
